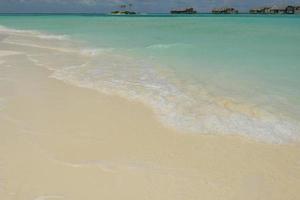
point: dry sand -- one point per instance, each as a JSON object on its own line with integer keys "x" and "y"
{"x": 58, "y": 141}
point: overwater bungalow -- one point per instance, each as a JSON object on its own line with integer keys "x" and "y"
{"x": 290, "y": 10}
{"x": 225, "y": 11}
{"x": 277, "y": 10}
{"x": 262, "y": 10}
{"x": 255, "y": 11}
{"x": 184, "y": 11}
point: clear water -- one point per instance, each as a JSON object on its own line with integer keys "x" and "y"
{"x": 206, "y": 74}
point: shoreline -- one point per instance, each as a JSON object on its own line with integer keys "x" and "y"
{"x": 226, "y": 116}
{"x": 60, "y": 141}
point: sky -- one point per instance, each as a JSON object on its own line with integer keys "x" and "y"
{"x": 104, "y": 6}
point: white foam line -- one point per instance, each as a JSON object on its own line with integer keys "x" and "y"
{"x": 166, "y": 46}
{"x": 10, "y": 30}
{"x": 34, "y": 33}
{"x": 41, "y": 47}
{"x": 53, "y": 37}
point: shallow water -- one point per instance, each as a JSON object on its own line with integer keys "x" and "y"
{"x": 204, "y": 74}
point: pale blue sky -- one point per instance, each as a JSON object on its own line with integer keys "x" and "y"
{"x": 139, "y": 5}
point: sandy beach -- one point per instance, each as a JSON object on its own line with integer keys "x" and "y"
{"x": 59, "y": 141}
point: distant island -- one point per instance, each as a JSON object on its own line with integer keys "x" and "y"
{"x": 263, "y": 10}
{"x": 225, "y": 11}
{"x": 276, "y": 10}
{"x": 126, "y": 10}
{"x": 123, "y": 10}
{"x": 184, "y": 11}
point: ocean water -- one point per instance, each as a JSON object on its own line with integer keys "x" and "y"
{"x": 202, "y": 74}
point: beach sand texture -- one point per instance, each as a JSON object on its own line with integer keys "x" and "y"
{"x": 59, "y": 141}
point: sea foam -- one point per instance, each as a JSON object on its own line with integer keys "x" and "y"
{"x": 53, "y": 37}
{"x": 167, "y": 46}
{"x": 38, "y": 34}
{"x": 173, "y": 105}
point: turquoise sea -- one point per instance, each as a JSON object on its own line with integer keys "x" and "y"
{"x": 212, "y": 74}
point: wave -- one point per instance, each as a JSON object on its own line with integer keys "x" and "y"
{"x": 54, "y": 37}
{"x": 175, "y": 107}
{"x": 37, "y": 34}
{"x": 11, "y": 30}
{"x": 167, "y": 46}
{"x": 95, "y": 51}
